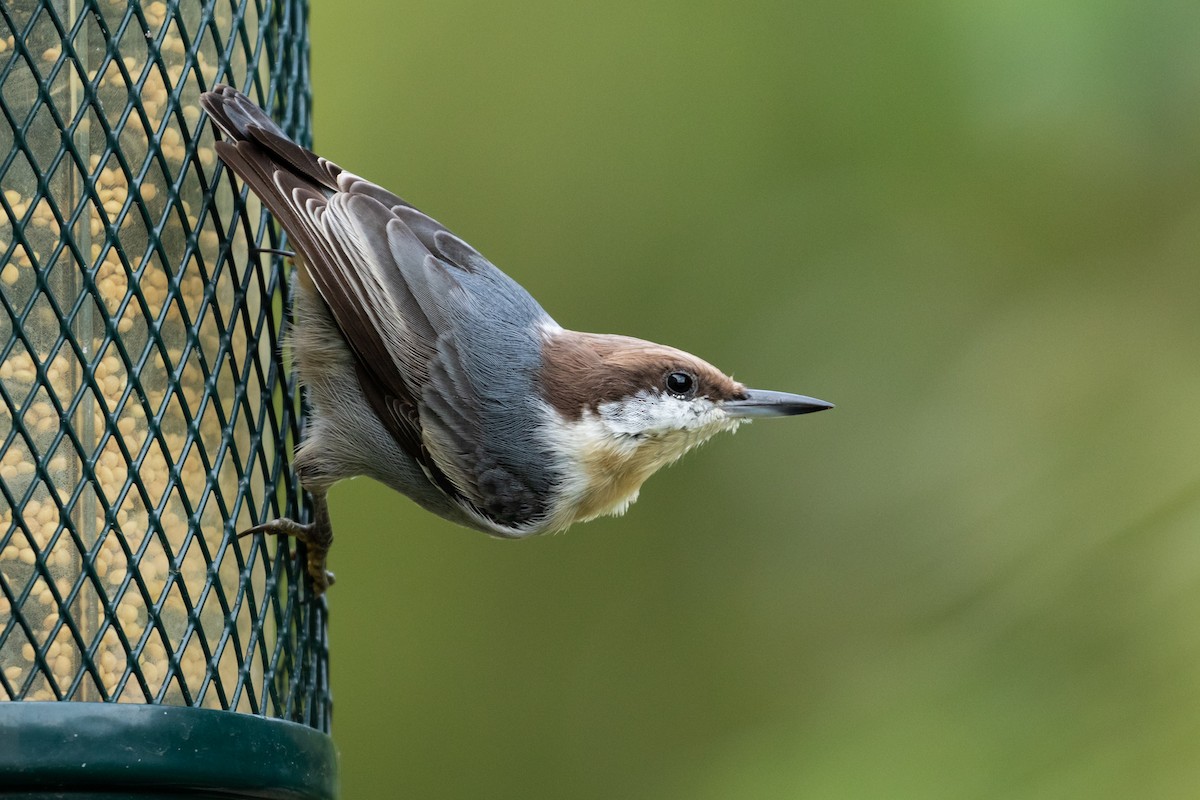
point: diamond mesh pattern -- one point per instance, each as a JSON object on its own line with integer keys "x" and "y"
{"x": 146, "y": 413}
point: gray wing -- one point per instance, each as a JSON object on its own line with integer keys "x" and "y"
{"x": 447, "y": 345}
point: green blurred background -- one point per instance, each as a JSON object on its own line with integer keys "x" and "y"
{"x": 973, "y": 226}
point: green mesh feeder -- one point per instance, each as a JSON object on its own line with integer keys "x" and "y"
{"x": 147, "y": 414}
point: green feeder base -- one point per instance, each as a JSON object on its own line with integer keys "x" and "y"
{"x": 109, "y": 750}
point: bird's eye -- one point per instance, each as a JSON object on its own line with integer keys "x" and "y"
{"x": 680, "y": 384}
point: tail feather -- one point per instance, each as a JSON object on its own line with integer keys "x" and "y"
{"x": 242, "y": 121}
{"x": 235, "y": 113}
{"x": 258, "y": 139}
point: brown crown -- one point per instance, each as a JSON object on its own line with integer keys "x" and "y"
{"x": 580, "y": 371}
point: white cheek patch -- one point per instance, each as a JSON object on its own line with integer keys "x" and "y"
{"x": 610, "y": 453}
{"x": 656, "y": 414}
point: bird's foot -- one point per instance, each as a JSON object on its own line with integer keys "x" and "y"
{"x": 317, "y": 537}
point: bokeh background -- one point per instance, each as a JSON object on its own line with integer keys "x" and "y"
{"x": 975, "y": 226}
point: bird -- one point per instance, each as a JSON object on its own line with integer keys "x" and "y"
{"x": 431, "y": 371}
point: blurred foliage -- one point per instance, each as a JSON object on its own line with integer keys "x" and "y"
{"x": 973, "y": 226}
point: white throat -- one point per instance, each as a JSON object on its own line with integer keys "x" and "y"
{"x": 609, "y": 453}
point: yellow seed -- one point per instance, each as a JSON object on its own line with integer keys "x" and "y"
{"x": 47, "y": 530}
{"x": 27, "y": 652}
{"x": 125, "y": 325}
{"x": 46, "y": 597}
{"x": 27, "y": 555}
{"x": 63, "y": 665}
{"x": 149, "y": 191}
{"x": 152, "y": 673}
{"x": 13, "y": 673}
{"x": 51, "y": 53}
{"x": 10, "y": 274}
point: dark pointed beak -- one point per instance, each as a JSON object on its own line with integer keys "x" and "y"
{"x": 763, "y": 403}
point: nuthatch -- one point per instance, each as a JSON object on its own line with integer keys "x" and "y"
{"x": 433, "y": 372}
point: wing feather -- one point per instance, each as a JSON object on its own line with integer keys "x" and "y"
{"x": 444, "y": 342}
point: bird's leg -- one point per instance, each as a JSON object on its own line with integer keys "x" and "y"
{"x": 275, "y": 251}
{"x": 316, "y": 535}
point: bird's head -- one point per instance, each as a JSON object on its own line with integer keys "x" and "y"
{"x": 622, "y": 408}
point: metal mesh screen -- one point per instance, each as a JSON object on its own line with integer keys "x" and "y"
{"x": 146, "y": 412}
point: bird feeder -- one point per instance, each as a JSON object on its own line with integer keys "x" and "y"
{"x": 147, "y": 413}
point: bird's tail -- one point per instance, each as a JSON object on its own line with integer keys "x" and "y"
{"x": 254, "y": 136}
{"x": 236, "y": 114}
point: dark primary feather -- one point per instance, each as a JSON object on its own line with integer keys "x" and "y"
{"x": 446, "y": 345}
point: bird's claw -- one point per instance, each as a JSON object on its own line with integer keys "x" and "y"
{"x": 316, "y": 537}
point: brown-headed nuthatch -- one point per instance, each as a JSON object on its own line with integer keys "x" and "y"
{"x": 433, "y": 372}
